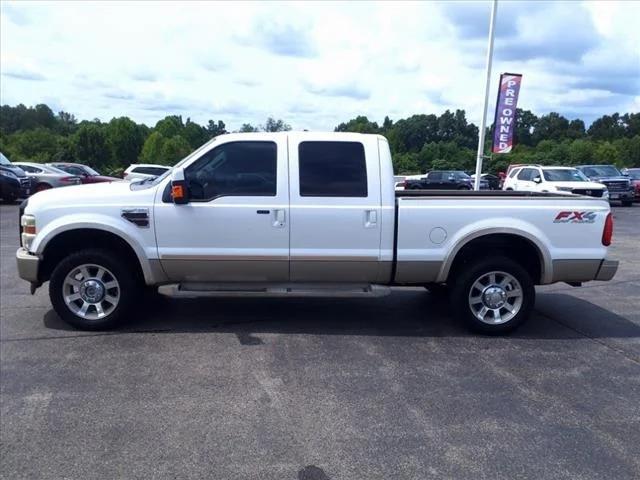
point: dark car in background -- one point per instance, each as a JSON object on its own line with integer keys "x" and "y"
{"x": 14, "y": 183}
{"x": 493, "y": 181}
{"x": 86, "y": 174}
{"x": 619, "y": 185}
{"x": 634, "y": 178}
{"x": 444, "y": 180}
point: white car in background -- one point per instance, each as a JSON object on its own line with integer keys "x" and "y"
{"x": 143, "y": 171}
{"x": 536, "y": 178}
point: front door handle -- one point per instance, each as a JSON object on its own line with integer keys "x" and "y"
{"x": 279, "y": 218}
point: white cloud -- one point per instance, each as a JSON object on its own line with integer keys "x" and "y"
{"x": 313, "y": 64}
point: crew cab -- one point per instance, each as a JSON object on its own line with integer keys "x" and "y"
{"x": 304, "y": 214}
{"x": 536, "y": 178}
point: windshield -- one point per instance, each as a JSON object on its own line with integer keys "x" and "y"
{"x": 564, "y": 175}
{"x": 4, "y": 160}
{"x": 601, "y": 171}
{"x": 635, "y": 174}
{"x": 91, "y": 171}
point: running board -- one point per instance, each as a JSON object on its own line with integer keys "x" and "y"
{"x": 196, "y": 290}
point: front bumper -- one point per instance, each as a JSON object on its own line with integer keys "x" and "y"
{"x": 607, "y": 270}
{"x": 28, "y": 265}
{"x": 621, "y": 195}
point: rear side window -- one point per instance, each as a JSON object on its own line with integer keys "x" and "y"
{"x": 332, "y": 169}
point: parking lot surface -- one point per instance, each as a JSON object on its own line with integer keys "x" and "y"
{"x": 324, "y": 388}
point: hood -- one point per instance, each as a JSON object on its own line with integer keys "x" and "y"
{"x": 87, "y": 194}
{"x": 17, "y": 171}
{"x": 104, "y": 178}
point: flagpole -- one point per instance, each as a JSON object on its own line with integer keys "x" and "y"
{"x": 483, "y": 120}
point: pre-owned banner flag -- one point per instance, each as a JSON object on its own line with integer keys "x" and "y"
{"x": 505, "y": 119}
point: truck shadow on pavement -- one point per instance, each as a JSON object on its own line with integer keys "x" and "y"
{"x": 404, "y": 313}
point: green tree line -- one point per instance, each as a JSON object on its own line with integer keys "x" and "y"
{"x": 419, "y": 143}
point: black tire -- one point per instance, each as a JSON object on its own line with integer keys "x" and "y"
{"x": 41, "y": 187}
{"x": 129, "y": 288}
{"x": 627, "y": 203}
{"x": 461, "y": 291}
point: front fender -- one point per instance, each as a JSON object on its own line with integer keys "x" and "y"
{"x": 509, "y": 226}
{"x": 141, "y": 240}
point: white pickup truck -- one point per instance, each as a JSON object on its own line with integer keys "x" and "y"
{"x": 304, "y": 214}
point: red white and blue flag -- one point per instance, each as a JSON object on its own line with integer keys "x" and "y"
{"x": 505, "y": 119}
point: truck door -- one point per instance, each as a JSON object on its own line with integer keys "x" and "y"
{"x": 335, "y": 208}
{"x": 235, "y": 227}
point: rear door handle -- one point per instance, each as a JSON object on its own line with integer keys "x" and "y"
{"x": 370, "y": 218}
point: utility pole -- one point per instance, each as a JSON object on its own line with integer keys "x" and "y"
{"x": 483, "y": 120}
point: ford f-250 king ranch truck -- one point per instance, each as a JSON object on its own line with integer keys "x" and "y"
{"x": 304, "y": 214}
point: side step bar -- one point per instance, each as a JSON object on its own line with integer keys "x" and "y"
{"x": 196, "y": 290}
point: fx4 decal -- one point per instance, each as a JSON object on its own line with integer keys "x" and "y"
{"x": 575, "y": 217}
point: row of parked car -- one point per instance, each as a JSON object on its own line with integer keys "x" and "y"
{"x": 604, "y": 181}
{"x": 21, "y": 179}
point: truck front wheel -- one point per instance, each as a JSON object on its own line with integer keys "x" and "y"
{"x": 93, "y": 289}
{"x": 493, "y": 295}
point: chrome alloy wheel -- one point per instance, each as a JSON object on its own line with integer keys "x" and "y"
{"x": 91, "y": 291}
{"x": 495, "y": 297}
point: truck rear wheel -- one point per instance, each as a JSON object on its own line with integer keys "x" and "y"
{"x": 93, "y": 289}
{"x": 493, "y": 295}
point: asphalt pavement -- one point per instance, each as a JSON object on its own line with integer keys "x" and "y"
{"x": 318, "y": 389}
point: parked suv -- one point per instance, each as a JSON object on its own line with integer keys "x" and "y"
{"x": 14, "y": 183}
{"x": 619, "y": 186}
{"x": 444, "y": 180}
{"x": 536, "y": 178}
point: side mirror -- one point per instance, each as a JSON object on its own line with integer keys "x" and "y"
{"x": 179, "y": 190}
{"x": 537, "y": 179}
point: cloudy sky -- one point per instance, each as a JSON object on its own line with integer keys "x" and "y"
{"x": 315, "y": 64}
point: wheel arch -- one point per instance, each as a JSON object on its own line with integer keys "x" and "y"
{"x": 68, "y": 241}
{"x": 523, "y": 248}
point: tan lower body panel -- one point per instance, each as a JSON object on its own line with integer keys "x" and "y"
{"x": 335, "y": 271}
{"x": 417, "y": 272}
{"x": 575, "y": 270}
{"x": 226, "y": 270}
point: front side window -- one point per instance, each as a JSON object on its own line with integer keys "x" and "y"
{"x": 435, "y": 176}
{"x": 234, "y": 169}
{"x": 332, "y": 169}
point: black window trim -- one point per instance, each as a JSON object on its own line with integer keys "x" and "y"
{"x": 366, "y": 172}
